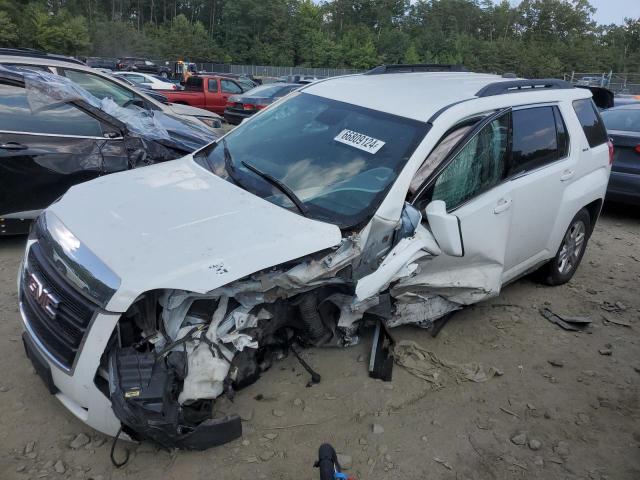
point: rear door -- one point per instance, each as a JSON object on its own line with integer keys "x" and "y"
{"x": 45, "y": 152}
{"x": 542, "y": 166}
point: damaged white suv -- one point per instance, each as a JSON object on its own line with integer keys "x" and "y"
{"x": 148, "y": 294}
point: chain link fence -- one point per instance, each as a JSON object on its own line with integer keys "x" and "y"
{"x": 271, "y": 72}
{"x": 619, "y": 83}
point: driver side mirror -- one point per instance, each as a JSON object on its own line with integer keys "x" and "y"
{"x": 445, "y": 228}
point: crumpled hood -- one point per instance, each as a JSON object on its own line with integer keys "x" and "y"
{"x": 176, "y": 225}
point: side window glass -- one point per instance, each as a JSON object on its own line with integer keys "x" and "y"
{"x": 535, "y": 142}
{"x": 65, "y": 119}
{"x": 562, "y": 135}
{"x": 229, "y": 87}
{"x": 193, "y": 83}
{"x": 591, "y": 122}
{"x": 213, "y": 85}
{"x": 479, "y": 166}
{"x": 100, "y": 87}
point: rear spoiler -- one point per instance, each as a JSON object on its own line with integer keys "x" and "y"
{"x": 602, "y": 97}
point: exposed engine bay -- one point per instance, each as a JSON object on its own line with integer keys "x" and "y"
{"x": 174, "y": 352}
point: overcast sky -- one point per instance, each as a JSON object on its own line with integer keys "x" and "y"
{"x": 610, "y": 11}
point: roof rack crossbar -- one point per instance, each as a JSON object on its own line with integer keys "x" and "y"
{"x": 514, "y": 86}
{"x": 33, "y": 53}
{"x": 417, "y": 67}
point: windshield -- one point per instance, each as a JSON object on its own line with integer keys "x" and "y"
{"x": 338, "y": 159}
{"x": 626, "y": 119}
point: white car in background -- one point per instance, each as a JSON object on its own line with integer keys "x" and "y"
{"x": 154, "y": 82}
{"x": 146, "y": 295}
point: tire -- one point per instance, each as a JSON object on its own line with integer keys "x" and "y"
{"x": 563, "y": 266}
{"x": 164, "y": 74}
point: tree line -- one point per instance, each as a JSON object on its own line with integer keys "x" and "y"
{"x": 535, "y": 38}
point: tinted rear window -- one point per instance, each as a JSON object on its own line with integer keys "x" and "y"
{"x": 627, "y": 120}
{"x": 591, "y": 122}
{"x": 193, "y": 83}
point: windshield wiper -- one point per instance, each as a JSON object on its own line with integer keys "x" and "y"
{"x": 228, "y": 163}
{"x": 280, "y": 186}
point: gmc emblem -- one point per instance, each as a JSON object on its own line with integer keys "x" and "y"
{"x": 47, "y": 300}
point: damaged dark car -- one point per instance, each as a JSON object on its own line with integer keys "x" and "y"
{"x": 54, "y": 134}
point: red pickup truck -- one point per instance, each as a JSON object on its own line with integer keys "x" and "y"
{"x": 205, "y": 91}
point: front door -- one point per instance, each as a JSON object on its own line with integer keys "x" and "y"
{"x": 44, "y": 152}
{"x": 228, "y": 88}
{"x": 472, "y": 184}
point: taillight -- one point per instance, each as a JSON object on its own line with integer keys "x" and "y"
{"x": 248, "y": 106}
{"x": 174, "y": 87}
{"x": 610, "y": 143}
{"x": 230, "y": 104}
{"x": 637, "y": 149}
{"x": 260, "y": 107}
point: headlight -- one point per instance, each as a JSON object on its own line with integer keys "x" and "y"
{"x": 210, "y": 122}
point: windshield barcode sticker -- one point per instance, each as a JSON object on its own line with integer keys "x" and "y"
{"x": 359, "y": 140}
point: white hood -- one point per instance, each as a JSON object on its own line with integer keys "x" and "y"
{"x": 176, "y": 225}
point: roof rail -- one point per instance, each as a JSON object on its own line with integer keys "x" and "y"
{"x": 417, "y": 67}
{"x": 514, "y": 86}
{"x": 33, "y": 53}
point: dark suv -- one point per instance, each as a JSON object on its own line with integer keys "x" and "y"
{"x": 135, "y": 64}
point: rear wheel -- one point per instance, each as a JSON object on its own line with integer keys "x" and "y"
{"x": 563, "y": 266}
{"x": 164, "y": 74}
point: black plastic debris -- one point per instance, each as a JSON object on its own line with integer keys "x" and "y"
{"x": 572, "y": 324}
{"x": 381, "y": 360}
{"x": 144, "y": 390}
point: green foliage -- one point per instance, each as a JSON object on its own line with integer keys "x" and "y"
{"x": 62, "y": 32}
{"x": 8, "y": 31}
{"x": 533, "y": 38}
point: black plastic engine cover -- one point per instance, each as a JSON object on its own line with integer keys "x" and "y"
{"x": 144, "y": 396}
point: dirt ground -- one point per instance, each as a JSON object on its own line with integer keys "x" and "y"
{"x": 567, "y": 405}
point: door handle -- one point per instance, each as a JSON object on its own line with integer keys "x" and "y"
{"x": 12, "y": 146}
{"x": 566, "y": 175}
{"x": 503, "y": 205}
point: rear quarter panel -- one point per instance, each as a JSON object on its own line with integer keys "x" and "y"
{"x": 589, "y": 184}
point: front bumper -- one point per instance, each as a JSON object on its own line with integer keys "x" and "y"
{"x": 76, "y": 388}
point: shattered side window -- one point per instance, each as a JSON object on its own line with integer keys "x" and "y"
{"x": 437, "y": 155}
{"x": 480, "y": 165}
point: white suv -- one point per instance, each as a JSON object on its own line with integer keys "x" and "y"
{"x": 146, "y": 295}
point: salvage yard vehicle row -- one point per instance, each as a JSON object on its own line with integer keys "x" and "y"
{"x": 333, "y": 206}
